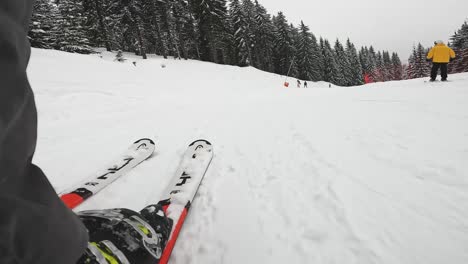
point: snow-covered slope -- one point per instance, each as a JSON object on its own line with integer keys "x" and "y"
{"x": 371, "y": 174}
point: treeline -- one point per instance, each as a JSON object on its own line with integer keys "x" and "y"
{"x": 234, "y": 32}
{"x": 459, "y": 43}
{"x": 419, "y": 67}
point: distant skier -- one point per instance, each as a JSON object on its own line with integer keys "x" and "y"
{"x": 440, "y": 55}
{"x": 305, "y": 84}
{"x": 35, "y": 225}
{"x": 298, "y": 84}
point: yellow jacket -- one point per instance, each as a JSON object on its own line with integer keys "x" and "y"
{"x": 441, "y": 54}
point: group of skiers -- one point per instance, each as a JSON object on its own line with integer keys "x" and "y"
{"x": 299, "y": 84}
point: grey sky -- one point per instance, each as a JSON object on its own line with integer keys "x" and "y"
{"x": 393, "y": 25}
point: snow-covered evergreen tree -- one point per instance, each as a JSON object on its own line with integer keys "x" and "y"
{"x": 248, "y": 9}
{"x": 128, "y": 16}
{"x": 424, "y": 67}
{"x": 241, "y": 33}
{"x": 380, "y": 67}
{"x": 211, "y": 16}
{"x": 387, "y": 66}
{"x": 71, "y": 25}
{"x": 459, "y": 43}
{"x": 283, "y": 55}
{"x": 418, "y": 66}
{"x": 410, "y": 70}
{"x": 373, "y": 68}
{"x": 167, "y": 26}
{"x": 356, "y": 68}
{"x": 263, "y": 32}
{"x": 184, "y": 29}
{"x": 151, "y": 14}
{"x": 308, "y": 55}
{"x": 97, "y": 24}
{"x": 365, "y": 63}
{"x": 294, "y": 33}
{"x": 42, "y": 29}
{"x": 345, "y": 79}
{"x": 397, "y": 67}
{"x": 331, "y": 69}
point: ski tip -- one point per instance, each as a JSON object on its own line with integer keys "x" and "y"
{"x": 143, "y": 139}
{"x": 199, "y": 141}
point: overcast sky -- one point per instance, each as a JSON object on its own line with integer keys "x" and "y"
{"x": 393, "y": 25}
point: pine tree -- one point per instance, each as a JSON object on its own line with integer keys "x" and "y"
{"x": 308, "y": 59}
{"x": 294, "y": 33}
{"x": 318, "y": 55}
{"x": 240, "y": 30}
{"x": 397, "y": 67}
{"x": 283, "y": 55}
{"x": 42, "y": 30}
{"x": 343, "y": 64}
{"x": 184, "y": 29}
{"x": 373, "y": 67}
{"x": 128, "y": 18}
{"x": 365, "y": 63}
{"x": 133, "y": 13}
{"x": 167, "y": 24}
{"x": 404, "y": 75}
{"x": 418, "y": 67}
{"x": 356, "y": 68}
{"x": 211, "y": 16}
{"x": 331, "y": 70}
{"x": 411, "y": 69}
{"x": 459, "y": 43}
{"x": 248, "y": 9}
{"x": 97, "y": 27}
{"x": 263, "y": 32}
{"x": 387, "y": 66}
{"x": 380, "y": 69}
{"x": 151, "y": 15}
{"x": 423, "y": 66}
{"x": 73, "y": 37}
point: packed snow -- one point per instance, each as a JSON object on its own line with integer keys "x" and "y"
{"x": 370, "y": 174}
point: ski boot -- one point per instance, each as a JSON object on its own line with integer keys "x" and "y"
{"x": 123, "y": 236}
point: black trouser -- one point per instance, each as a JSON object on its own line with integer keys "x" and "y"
{"x": 435, "y": 69}
{"x": 35, "y": 226}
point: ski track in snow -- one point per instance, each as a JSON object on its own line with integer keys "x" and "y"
{"x": 372, "y": 174}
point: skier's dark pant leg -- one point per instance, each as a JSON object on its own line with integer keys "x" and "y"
{"x": 35, "y": 226}
{"x": 435, "y": 70}
{"x": 443, "y": 71}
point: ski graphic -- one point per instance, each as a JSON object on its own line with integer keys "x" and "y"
{"x": 134, "y": 155}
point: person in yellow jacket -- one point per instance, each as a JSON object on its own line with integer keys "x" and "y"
{"x": 440, "y": 55}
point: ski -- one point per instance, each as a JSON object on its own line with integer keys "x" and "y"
{"x": 181, "y": 191}
{"x": 134, "y": 155}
